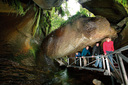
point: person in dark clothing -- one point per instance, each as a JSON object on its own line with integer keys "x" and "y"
{"x": 78, "y": 54}
{"x": 85, "y": 52}
{"x": 97, "y": 52}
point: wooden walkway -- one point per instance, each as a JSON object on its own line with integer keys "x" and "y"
{"x": 119, "y": 72}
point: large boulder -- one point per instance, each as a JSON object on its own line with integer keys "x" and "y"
{"x": 110, "y": 9}
{"x": 47, "y": 4}
{"x": 74, "y": 36}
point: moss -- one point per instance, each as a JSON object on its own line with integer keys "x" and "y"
{"x": 37, "y": 17}
{"x": 20, "y": 57}
{"x": 17, "y": 5}
{"x": 73, "y": 18}
{"x": 60, "y": 22}
{"x": 45, "y": 23}
{"x": 124, "y": 3}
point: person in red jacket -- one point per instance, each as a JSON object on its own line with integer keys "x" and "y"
{"x": 108, "y": 48}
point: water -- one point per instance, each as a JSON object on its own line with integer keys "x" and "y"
{"x": 61, "y": 78}
{"x": 72, "y": 76}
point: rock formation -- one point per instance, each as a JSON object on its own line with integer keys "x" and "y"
{"x": 122, "y": 39}
{"x": 47, "y": 4}
{"x": 110, "y": 9}
{"x": 16, "y": 35}
{"x": 16, "y": 38}
{"x": 75, "y": 36}
{"x": 97, "y": 82}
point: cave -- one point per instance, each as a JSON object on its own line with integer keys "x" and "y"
{"x": 35, "y": 37}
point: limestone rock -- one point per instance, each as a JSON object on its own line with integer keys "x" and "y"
{"x": 30, "y": 61}
{"x": 123, "y": 22}
{"x": 113, "y": 11}
{"x": 16, "y": 37}
{"x": 97, "y": 82}
{"x": 15, "y": 33}
{"x": 47, "y": 4}
{"x": 5, "y": 8}
{"x": 122, "y": 39}
{"x": 74, "y": 37}
{"x": 12, "y": 73}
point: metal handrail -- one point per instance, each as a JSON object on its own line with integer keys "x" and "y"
{"x": 120, "y": 74}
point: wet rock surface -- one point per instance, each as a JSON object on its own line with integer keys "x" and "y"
{"x": 12, "y": 73}
{"x": 16, "y": 37}
{"x": 113, "y": 11}
{"x": 15, "y": 33}
{"x": 47, "y": 4}
{"x": 122, "y": 39}
{"x": 75, "y": 36}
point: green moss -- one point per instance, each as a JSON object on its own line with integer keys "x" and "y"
{"x": 17, "y": 5}
{"x": 75, "y": 17}
{"x": 37, "y": 17}
{"x": 22, "y": 56}
{"x": 58, "y": 21}
{"x": 45, "y": 22}
{"x": 124, "y": 3}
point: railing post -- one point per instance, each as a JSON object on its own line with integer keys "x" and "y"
{"x": 80, "y": 62}
{"x": 103, "y": 62}
{"x": 61, "y": 59}
{"x": 68, "y": 60}
{"x": 75, "y": 60}
{"x": 123, "y": 72}
{"x": 108, "y": 67}
{"x": 88, "y": 60}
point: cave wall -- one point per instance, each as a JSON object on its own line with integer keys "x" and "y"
{"x": 124, "y": 35}
{"x": 112, "y": 10}
{"x": 16, "y": 36}
{"x": 48, "y": 4}
{"x": 122, "y": 39}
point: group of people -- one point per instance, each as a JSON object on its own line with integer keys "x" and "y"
{"x": 97, "y": 51}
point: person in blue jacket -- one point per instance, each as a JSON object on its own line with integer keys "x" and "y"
{"x": 85, "y": 52}
{"x": 78, "y": 54}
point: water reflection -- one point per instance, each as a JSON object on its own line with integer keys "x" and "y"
{"x": 61, "y": 78}
{"x": 72, "y": 76}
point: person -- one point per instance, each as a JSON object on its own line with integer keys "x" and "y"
{"x": 78, "y": 54}
{"x": 108, "y": 48}
{"x": 97, "y": 52}
{"x": 85, "y": 52}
